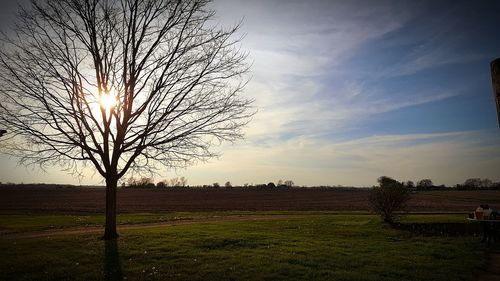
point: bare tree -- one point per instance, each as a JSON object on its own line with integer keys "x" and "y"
{"x": 120, "y": 85}
{"x": 425, "y": 184}
{"x": 178, "y": 182}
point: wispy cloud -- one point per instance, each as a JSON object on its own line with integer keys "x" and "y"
{"x": 294, "y": 49}
{"x": 325, "y": 69}
{"x": 301, "y": 55}
{"x": 446, "y": 158}
{"x": 435, "y": 59}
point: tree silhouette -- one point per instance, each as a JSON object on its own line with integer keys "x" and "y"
{"x": 120, "y": 85}
{"x": 389, "y": 197}
{"x": 425, "y": 184}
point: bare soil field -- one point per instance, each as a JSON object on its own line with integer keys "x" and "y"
{"x": 80, "y": 199}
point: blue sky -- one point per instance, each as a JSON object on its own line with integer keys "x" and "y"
{"x": 348, "y": 91}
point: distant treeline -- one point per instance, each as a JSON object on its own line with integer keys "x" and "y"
{"x": 469, "y": 184}
{"x": 182, "y": 183}
{"x": 421, "y": 185}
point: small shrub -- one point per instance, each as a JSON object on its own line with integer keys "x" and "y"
{"x": 271, "y": 185}
{"x": 389, "y": 197}
{"x": 162, "y": 184}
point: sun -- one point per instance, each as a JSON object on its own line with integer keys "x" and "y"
{"x": 107, "y": 101}
{"x": 103, "y": 102}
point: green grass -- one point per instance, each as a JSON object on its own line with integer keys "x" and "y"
{"x": 25, "y": 221}
{"x": 435, "y": 218}
{"x": 40, "y": 221}
{"x": 316, "y": 247}
{"x": 22, "y": 222}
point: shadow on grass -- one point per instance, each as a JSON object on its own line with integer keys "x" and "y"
{"x": 112, "y": 265}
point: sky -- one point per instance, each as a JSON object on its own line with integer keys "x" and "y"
{"x": 348, "y": 91}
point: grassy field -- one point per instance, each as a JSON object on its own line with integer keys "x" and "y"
{"x": 17, "y": 222}
{"x": 318, "y": 246}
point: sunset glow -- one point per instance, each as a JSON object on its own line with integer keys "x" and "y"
{"x": 108, "y": 101}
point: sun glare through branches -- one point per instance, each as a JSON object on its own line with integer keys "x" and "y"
{"x": 108, "y": 101}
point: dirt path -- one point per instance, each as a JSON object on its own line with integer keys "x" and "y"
{"x": 96, "y": 229}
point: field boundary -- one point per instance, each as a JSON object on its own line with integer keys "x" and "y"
{"x": 131, "y": 226}
{"x": 84, "y": 200}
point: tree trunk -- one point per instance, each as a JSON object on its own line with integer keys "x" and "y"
{"x": 110, "y": 228}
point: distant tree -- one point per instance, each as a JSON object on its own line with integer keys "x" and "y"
{"x": 131, "y": 182}
{"x": 410, "y": 184}
{"x": 473, "y": 183}
{"x": 280, "y": 183}
{"x": 384, "y": 180}
{"x": 215, "y": 185}
{"x": 271, "y": 185}
{"x": 178, "y": 182}
{"x": 146, "y": 182}
{"x": 440, "y": 187}
{"x": 389, "y": 197}
{"x": 228, "y": 184}
{"x": 289, "y": 183}
{"x": 425, "y": 184}
{"x": 486, "y": 183}
{"x": 143, "y": 182}
{"x": 183, "y": 181}
{"x": 174, "y": 182}
{"x": 495, "y": 186}
{"x": 162, "y": 184}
